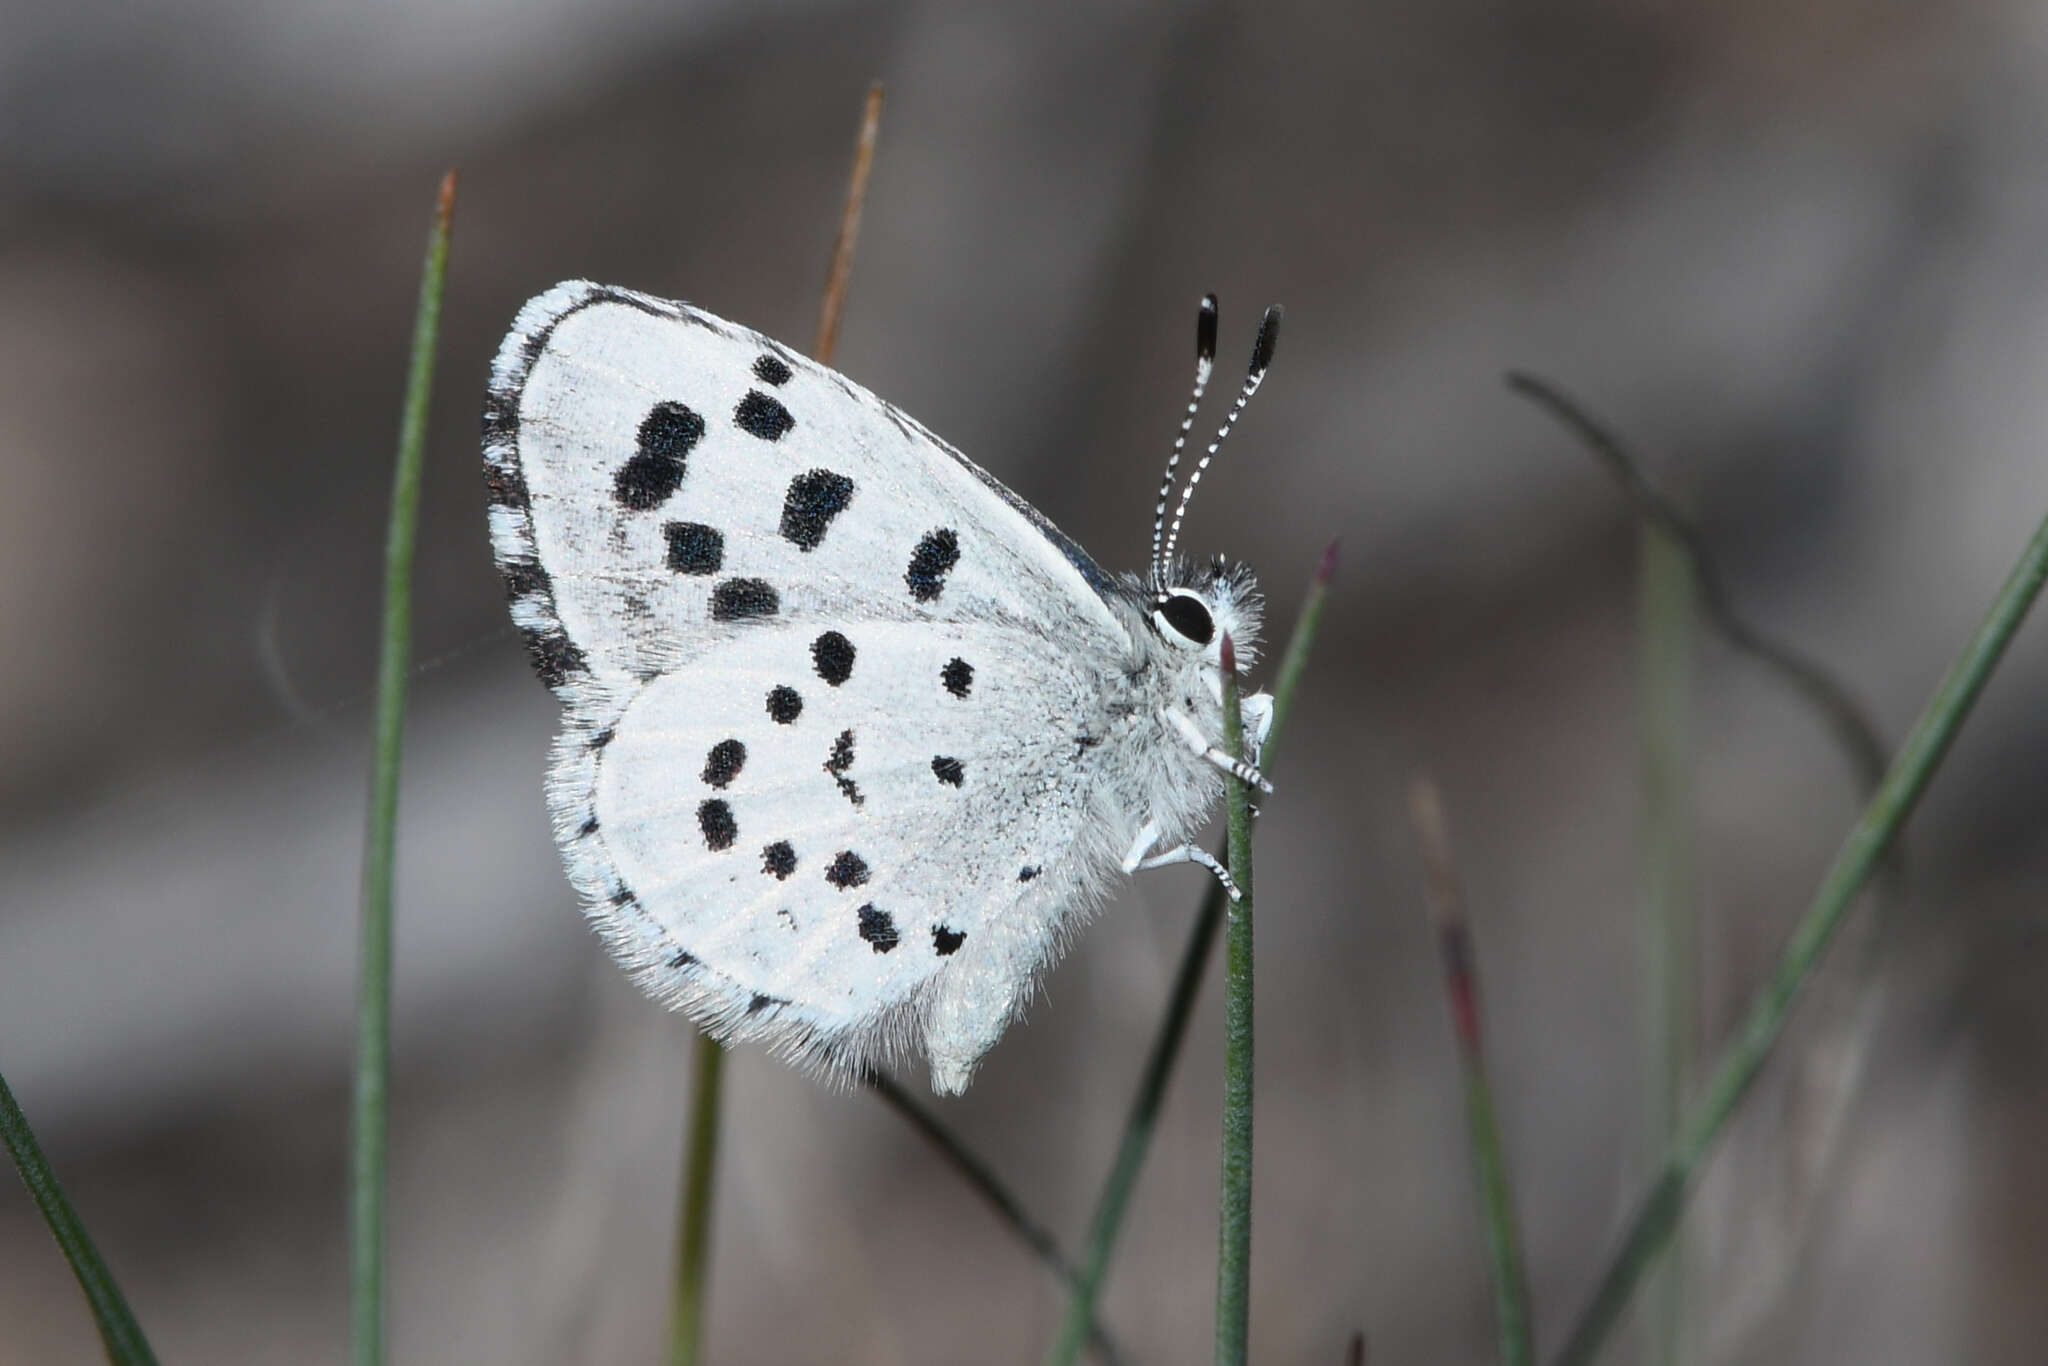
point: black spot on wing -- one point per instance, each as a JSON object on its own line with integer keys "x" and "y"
{"x": 651, "y": 477}
{"x": 762, "y": 415}
{"x": 694, "y": 548}
{"x": 744, "y": 600}
{"x": 554, "y": 655}
{"x": 1027, "y": 872}
{"x": 878, "y": 928}
{"x": 600, "y": 738}
{"x": 761, "y": 1003}
{"x": 1084, "y": 564}
{"x": 778, "y": 860}
{"x": 933, "y": 559}
{"x": 505, "y": 486}
{"x": 683, "y": 960}
{"x": 785, "y": 704}
{"x": 949, "y": 771}
{"x": 832, "y": 653}
{"x": 814, "y": 498}
{"x": 945, "y": 942}
{"x": 501, "y": 419}
{"x": 714, "y": 818}
{"x": 958, "y": 676}
{"x": 723, "y": 764}
{"x": 771, "y": 370}
{"x": 524, "y": 578}
{"x": 588, "y": 828}
{"x": 840, "y": 760}
{"x": 847, "y": 869}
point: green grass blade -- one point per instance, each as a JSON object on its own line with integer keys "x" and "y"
{"x": 1860, "y": 855}
{"x": 693, "y": 1227}
{"x": 126, "y": 1346}
{"x": 1234, "y": 1210}
{"x": 1143, "y": 1118}
{"x": 1489, "y": 1156}
{"x": 373, "y": 1008}
{"x": 1665, "y": 599}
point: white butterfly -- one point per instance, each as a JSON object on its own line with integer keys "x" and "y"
{"x": 855, "y": 738}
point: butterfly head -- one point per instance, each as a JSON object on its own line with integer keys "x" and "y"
{"x": 1193, "y": 608}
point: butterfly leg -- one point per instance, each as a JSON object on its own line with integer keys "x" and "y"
{"x": 1188, "y": 731}
{"x": 1257, "y": 713}
{"x": 1140, "y": 857}
{"x": 1194, "y": 853}
{"x": 1141, "y": 846}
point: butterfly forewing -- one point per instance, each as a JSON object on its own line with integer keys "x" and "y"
{"x": 682, "y": 475}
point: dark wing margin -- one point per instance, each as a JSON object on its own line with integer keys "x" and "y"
{"x": 558, "y": 660}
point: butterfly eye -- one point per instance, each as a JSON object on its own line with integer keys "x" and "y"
{"x": 1184, "y": 615}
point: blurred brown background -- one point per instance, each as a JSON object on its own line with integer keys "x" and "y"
{"x": 1795, "y": 251}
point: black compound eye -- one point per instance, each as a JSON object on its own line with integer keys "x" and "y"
{"x": 1186, "y": 616}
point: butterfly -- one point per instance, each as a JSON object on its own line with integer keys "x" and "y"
{"x": 854, "y": 738}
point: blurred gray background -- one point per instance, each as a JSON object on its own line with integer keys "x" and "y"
{"x": 1795, "y": 251}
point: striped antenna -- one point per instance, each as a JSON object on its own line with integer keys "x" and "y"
{"x": 1205, "y": 363}
{"x": 1262, "y": 356}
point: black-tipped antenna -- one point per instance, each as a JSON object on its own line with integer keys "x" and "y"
{"x": 1262, "y": 357}
{"x": 1205, "y": 363}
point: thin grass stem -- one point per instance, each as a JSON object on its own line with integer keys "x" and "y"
{"x": 1234, "y": 1210}
{"x": 978, "y": 1175}
{"x": 1665, "y": 599}
{"x": 1846, "y": 717}
{"x": 693, "y": 1229}
{"x": 841, "y": 271}
{"x": 1860, "y": 855}
{"x": 693, "y": 1213}
{"x": 122, "y": 1335}
{"x": 1512, "y": 1318}
{"x": 1142, "y": 1121}
{"x": 373, "y": 1007}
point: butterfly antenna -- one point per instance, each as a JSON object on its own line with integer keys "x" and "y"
{"x": 1205, "y": 364}
{"x": 1262, "y": 356}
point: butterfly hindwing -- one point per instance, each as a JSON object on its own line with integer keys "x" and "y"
{"x": 822, "y": 851}
{"x": 829, "y": 684}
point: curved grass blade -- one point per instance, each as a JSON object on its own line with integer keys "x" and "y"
{"x": 1846, "y": 717}
{"x": 125, "y": 1343}
{"x": 1489, "y": 1157}
{"x": 373, "y": 1006}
